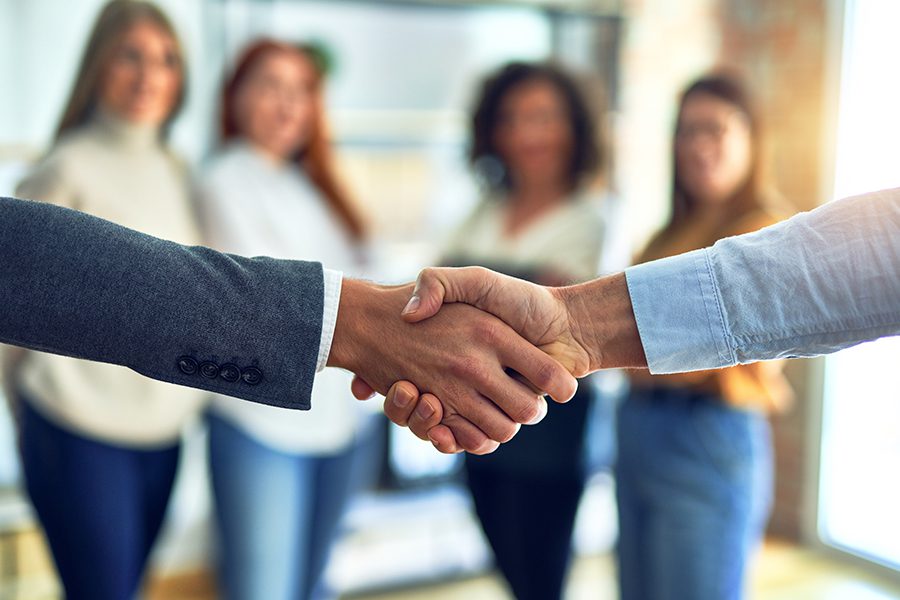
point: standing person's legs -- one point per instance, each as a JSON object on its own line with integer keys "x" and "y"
{"x": 631, "y": 544}
{"x": 339, "y": 477}
{"x": 528, "y": 523}
{"x": 698, "y": 475}
{"x": 262, "y": 504}
{"x": 95, "y": 503}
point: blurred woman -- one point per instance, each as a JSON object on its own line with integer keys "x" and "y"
{"x": 694, "y": 475}
{"x": 281, "y": 478}
{"x": 100, "y": 443}
{"x": 535, "y": 147}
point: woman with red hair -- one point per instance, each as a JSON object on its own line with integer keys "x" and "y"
{"x": 280, "y": 478}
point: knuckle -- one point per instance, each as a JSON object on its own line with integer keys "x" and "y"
{"x": 427, "y": 273}
{"x": 507, "y": 433}
{"x": 528, "y": 413}
{"x": 487, "y": 331}
{"x": 545, "y": 375}
{"x": 467, "y": 368}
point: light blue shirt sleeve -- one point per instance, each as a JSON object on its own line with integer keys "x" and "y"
{"x": 814, "y": 284}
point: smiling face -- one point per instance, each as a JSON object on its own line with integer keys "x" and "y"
{"x": 142, "y": 81}
{"x": 713, "y": 149}
{"x": 276, "y": 105}
{"x": 533, "y": 135}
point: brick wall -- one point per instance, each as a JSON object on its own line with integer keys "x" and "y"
{"x": 781, "y": 47}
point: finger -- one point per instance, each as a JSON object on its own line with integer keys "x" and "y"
{"x": 360, "y": 389}
{"x": 482, "y": 412}
{"x": 443, "y": 440}
{"x": 469, "y": 437}
{"x": 400, "y": 402}
{"x": 520, "y": 403}
{"x": 543, "y": 372}
{"x": 427, "y": 415}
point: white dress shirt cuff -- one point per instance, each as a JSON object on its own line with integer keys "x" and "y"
{"x": 678, "y": 313}
{"x": 332, "y": 281}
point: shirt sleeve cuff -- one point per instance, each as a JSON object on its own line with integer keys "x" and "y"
{"x": 332, "y": 284}
{"x": 678, "y": 314}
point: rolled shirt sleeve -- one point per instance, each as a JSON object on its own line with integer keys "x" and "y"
{"x": 678, "y": 315}
{"x": 814, "y": 284}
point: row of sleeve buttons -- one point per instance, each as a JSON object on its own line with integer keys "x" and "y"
{"x": 211, "y": 370}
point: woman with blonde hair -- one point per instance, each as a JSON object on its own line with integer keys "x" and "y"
{"x": 280, "y": 479}
{"x": 100, "y": 443}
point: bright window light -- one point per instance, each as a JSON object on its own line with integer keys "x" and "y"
{"x": 860, "y": 454}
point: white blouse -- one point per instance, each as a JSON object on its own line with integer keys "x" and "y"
{"x": 568, "y": 240}
{"x": 252, "y": 206}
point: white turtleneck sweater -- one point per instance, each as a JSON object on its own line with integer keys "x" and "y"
{"x": 123, "y": 173}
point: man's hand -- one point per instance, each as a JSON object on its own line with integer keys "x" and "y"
{"x": 538, "y": 313}
{"x": 585, "y": 327}
{"x": 460, "y": 355}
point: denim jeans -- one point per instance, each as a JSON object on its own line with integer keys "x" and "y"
{"x": 101, "y": 505}
{"x": 694, "y": 490}
{"x": 277, "y": 513}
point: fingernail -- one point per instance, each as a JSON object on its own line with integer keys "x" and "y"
{"x": 411, "y": 306}
{"x": 424, "y": 411}
{"x": 542, "y": 414}
{"x": 402, "y": 398}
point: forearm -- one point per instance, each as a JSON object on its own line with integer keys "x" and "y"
{"x": 79, "y": 286}
{"x": 811, "y": 285}
{"x": 602, "y": 319}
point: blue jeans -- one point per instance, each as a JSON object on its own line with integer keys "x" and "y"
{"x": 694, "y": 490}
{"x": 277, "y": 514}
{"x": 101, "y": 505}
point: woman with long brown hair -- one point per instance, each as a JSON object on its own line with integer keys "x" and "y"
{"x": 281, "y": 480}
{"x": 100, "y": 443}
{"x": 694, "y": 472}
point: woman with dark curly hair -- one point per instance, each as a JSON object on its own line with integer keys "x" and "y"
{"x": 535, "y": 149}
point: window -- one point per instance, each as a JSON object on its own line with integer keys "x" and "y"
{"x": 859, "y": 483}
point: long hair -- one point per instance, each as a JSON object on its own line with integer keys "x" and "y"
{"x": 115, "y": 19}
{"x": 586, "y": 152}
{"x": 316, "y": 158}
{"x": 755, "y": 192}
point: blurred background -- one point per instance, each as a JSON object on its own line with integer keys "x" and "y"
{"x": 403, "y": 79}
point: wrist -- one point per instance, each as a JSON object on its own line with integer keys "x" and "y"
{"x": 345, "y": 343}
{"x": 602, "y": 321}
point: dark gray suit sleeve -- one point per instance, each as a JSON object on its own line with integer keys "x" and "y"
{"x": 80, "y": 286}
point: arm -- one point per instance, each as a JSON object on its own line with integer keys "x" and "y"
{"x": 80, "y": 286}
{"x": 813, "y": 284}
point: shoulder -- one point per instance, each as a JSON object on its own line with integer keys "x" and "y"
{"x": 57, "y": 170}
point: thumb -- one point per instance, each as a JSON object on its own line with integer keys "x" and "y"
{"x": 427, "y": 297}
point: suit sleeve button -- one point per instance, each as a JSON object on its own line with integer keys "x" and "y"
{"x": 209, "y": 369}
{"x": 187, "y": 365}
{"x": 251, "y": 375}
{"x": 230, "y": 373}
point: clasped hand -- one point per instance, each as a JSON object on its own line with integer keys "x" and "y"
{"x": 480, "y": 325}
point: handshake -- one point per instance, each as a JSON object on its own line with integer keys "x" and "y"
{"x": 467, "y": 355}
